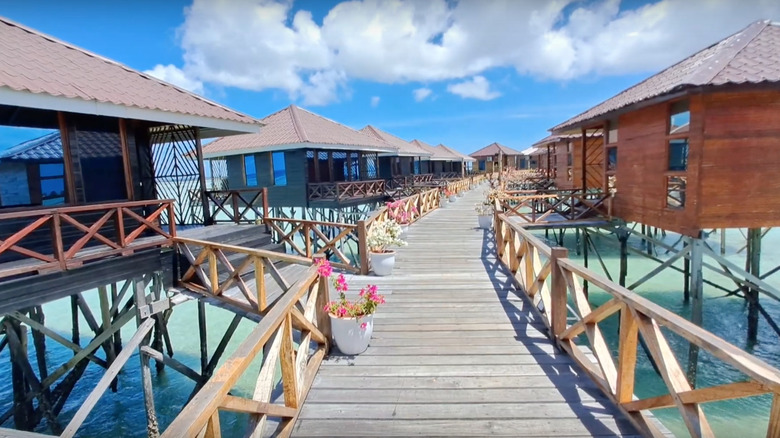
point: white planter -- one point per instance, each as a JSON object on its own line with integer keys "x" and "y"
{"x": 404, "y": 230}
{"x": 443, "y": 203}
{"x": 349, "y": 337}
{"x": 485, "y": 221}
{"x": 452, "y": 198}
{"x": 382, "y": 263}
{"x": 461, "y": 194}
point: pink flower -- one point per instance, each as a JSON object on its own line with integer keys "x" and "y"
{"x": 324, "y": 269}
{"x": 363, "y": 326}
{"x": 341, "y": 283}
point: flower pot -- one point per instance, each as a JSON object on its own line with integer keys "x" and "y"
{"x": 382, "y": 263}
{"x": 452, "y": 198}
{"x": 461, "y": 194}
{"x": 404, "y": 230}
{"x": 443, "y": 203}
{"x": 485, "y": 221}
{"x": 348, "y": 334}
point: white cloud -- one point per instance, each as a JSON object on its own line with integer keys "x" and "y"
{"x": 421, "y": 93}
{"x": 172, "y": 74}
{"x": 476, "y": 88}
{"x": 261, "y": 44}
{"x": 374, "y": 101}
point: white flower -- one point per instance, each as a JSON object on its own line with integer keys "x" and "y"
{"x": 383, "y": 234}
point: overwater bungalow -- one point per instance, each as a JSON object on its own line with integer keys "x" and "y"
{"x": 302, "y": 159}
{"x": 442, "y": 163}
{"x": 408, "y": 159}
{"x": 687, "y": 145}
{"x": 466, "y": 163}
{"x": 488, "y": 158}
{"x": 561, "y": 156}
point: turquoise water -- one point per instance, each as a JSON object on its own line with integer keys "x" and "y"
{"x": 122, "y": 413}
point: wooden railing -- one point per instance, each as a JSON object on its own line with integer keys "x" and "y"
{"x": 548, "y": 207}
{"x": 294, "y": 339}
{"x": 66, "y": 237}
{"x": 459, "y": 186}
{"x": 342, "y": 191}
{"x": 214, "y": 268}
{"x": 408, "y": 180}
{"x": 309, "y": 238}
{"x": 243, "y": 206}
{"x": 552, "y": 281}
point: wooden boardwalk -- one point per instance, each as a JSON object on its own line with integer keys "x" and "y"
{"x": 455, "y": 352}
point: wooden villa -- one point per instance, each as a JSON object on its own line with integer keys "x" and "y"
{"x": 562, "y": 158}
{"x": 442, "y": 162}
{"x": 409, "y": 161}
{"x": 304, "y": 159}
{"x": 488, "y": 158}
{"x": 695, "y": 146}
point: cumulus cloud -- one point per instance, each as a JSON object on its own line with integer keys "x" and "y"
{"x": 261, "y": 44}
{"x": 374, "y": 101}
{"x": 476, "y": 88}
{"x": 421, "y": 93}
{"x": 172, "y": 74}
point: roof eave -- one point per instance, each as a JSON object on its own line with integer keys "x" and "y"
{"x": 290, "y": 147}
{"x": 210, "y": 126}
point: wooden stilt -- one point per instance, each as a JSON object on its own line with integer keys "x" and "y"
{"x": 23, "y": 408}
{"x": 584, "y": 258}
{"x": 753, "y": 266}
{"x": 152, "y": 427}
{"x": 722, "y": 241}
{"x": 623, "y": 238}
{"x": 686, "y": 277}
{"x": 697, "y": 305}
{"x": 204, "y": 353}
{"x": 74, "y": 315}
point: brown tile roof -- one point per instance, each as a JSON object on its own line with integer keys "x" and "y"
{"x": 751, "y": 55}
{"x": 405, "y": 148}
{"x": 292, "y": 128}
{"x": 456, "y": 154}
{"x": 32, "y": 62}
{"x": 437, "y": 154}
{"x": 492, "y": 149}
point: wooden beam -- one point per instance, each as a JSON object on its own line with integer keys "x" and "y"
{"x": 249, "y": 406}
{"x": 105, "y": 381}
{"x": 727, "y": 391}
{"x": 128, "y": 169}
{"x": 171, "y": 362}
{"x": 70, "y": 181}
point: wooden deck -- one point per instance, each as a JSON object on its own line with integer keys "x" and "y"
{"x": 456, "y": 351}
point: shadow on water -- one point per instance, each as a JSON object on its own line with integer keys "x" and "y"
{"x": 564, "y": 375}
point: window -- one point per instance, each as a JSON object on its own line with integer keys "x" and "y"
{"x": 569, "y": 159}
{"x": 612, "y": 134}
{"x": 680, "y": 117}
{"x": 678, "y": 154}
{"x": 279, "y": 168}
{"x": 675, "y": 191}
{"x": 417, "y": 167}
{"x": 52, "y": 183}
{"x": 612, "y": 159}
{"x": 250, "y": 171}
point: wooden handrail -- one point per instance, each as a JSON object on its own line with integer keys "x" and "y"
{"x": 276, "y": 334}
{"x": 315, "y": 237}
{"x": 67, "y": 254}
{"x": 551, "y": 280}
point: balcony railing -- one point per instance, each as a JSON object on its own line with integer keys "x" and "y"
{"x": 244, "y": 206}
{"x": 63, "y": 238}
{"x": 345, "y": 191}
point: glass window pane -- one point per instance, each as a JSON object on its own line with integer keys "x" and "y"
{"x": 280, "y": 169}
{"x": 52, "y": 169}
{"x": 52, "y": 188}
{"x": 612, "y": 135}
{"x": 250, "y": 170}
{"x": 678, "y": 154}
{"x": 612, "y": 158}
{"x": 680, "y": 118}
{"x": 675, "y": 191}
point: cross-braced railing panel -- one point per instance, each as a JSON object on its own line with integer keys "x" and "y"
{"x": 337, "y": 241}
{"x": 555, "y": 284}
{"x": 292, "y": 336}
{"x": 244, "y": 206}
{"x": 539, "y": 207}
{"x": 215, "y": 268}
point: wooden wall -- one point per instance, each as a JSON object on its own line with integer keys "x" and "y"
{"x": 642, "y": 168}
{"x": 740, "y": 163}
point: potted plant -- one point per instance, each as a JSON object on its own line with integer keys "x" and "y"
{"x": 443, "y": 199}
{"x": 381, "y": 235}
{"x": 351, "y": 322}
{"x": 402, "y": 217}
{"x": 485, "y": 215}
{"x": 449, "y": 195}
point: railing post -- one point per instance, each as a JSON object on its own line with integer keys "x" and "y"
{"x": 558, "y": 292}
{"x": 234, "y": 202}
{"x": 363, "y": 246}
{"x": 265, "y": 202}
{"x": 323, "y": 297}
{"x": 56, "y": 229}
{"x": 307, "y": 239}
{"x": 171, "y": 220}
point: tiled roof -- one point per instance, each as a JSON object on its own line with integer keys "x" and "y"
{"x": 405, "y": 148}
{"x": 437, "y": 154}
{"x": 751, "y": 55}
{"x": 32, "y": 62}
{"x": 296, "y": 127}
{"x": 492, "y": 150}
{"x": 456, "y": 154}
{"x": 49, "y": 147}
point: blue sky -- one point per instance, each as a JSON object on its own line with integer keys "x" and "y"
{"x": 488, "y": 71}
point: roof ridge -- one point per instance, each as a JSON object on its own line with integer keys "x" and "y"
{"x": 129, "y": 69}
{"x": 710, "y": 68}
{"x": 299, "y": 129}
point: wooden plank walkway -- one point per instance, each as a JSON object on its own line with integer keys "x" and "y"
{"x": 455, "y": 352}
